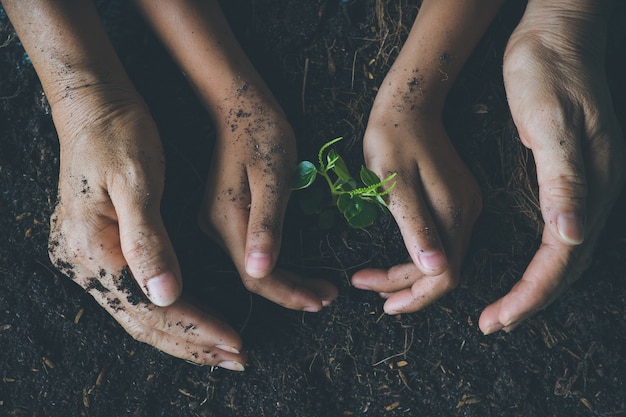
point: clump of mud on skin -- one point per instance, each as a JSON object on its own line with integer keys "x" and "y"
{"x": 125, "y": 283}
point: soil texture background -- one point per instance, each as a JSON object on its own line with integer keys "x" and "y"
{"x": 62, "y": 355}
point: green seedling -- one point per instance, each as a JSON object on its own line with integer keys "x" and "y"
{"x": 359, "y": 201}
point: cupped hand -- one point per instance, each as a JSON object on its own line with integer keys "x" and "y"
{"x": 246, "y": 197}
{"x": 108, "y": 236}
{"x": 559, "y": 99}
{"x": 435, "y": 203}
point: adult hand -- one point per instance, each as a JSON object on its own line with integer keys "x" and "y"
{"x": 107, "y": 233}
{"x": 558, "y": 95}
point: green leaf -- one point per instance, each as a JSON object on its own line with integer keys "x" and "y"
{"x": 346, "y": 186}
{"x": 368, "y": 177}
{"x": 381, "y": 201}
{"x": 343, "y": 202}
{"x": 320, "y": 154}
{"x": 304, "y": 176}
{"x": 342, "y": 170}
{"x": 350, "y": 206}
{"x": 372, "y": 190}
{"x": 365, "y": 217}
{"x": 331, "y": 159}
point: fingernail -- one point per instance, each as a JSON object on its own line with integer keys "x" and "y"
{"x": 432, "y": 260}
{"x": 571, "y": 228}
{"x": 258, "y": 264}
{"x": 227, "y": 348}
{"x": 326, "y": 303}
{"x": 311, "y": 309}
{"x": 163, "y": 289}
{"x": 361, "y": 286}
{"x": 493, "y": 328}
{"x": 232, "y": 366}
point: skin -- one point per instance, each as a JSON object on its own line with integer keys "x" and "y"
{"x": 559, "y": 99}
{"x": 107, "y": 217}
{"x": 436, "y": 199}
{"x": 255, "y": 153}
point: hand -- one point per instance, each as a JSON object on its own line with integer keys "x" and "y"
{"x": 246, "y": 197}
{"x": 559, "y": 99}
{"x": 435, "y": 202}
{"x": 107, "y": 234}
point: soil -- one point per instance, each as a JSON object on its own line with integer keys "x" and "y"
{"x": 62, "y": 355}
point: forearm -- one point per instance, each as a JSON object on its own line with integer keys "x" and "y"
{"x": 443, "y": 36}
{"x": 70, "y": 52}
{"x": 199, "y": 38}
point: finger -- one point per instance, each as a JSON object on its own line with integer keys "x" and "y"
{"x": 405, "y": 287}
{"x": 552, "y": 270}
{"x": 281, "y": 287}
{"x": 563, "y": 188}
{"x": 390, "y": 280}
{"x": 412, "y": 214}
{"x": 265, "y": 222}
{"x": 424, "y": 292}
{"x": 294, "y": 292}
{"x": 553, "y": 132}
{"x": 179, "y": 330}
{"x": 147, "y": 248}
{"x": 115, "y": 285}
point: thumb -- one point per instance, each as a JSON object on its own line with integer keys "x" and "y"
{"x": 149, "y": 252}
{"x": 562, "y": 185}
{"x": 265, "y": 224}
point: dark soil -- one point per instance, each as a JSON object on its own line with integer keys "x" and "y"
{"x": 62, "y": 355}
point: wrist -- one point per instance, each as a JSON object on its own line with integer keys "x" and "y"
{"x": 404, "y": 93}
{"x": 88, "y": 103}
{"x": 581, "y": 24}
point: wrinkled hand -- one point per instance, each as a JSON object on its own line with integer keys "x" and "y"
{"x": 435, "y": 202}
{"x": 107, "y": 221}
{"x": 246, "y": 197}
{"x": 559, "y": 99}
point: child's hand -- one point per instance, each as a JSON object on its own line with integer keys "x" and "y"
{"x": 435, "y": 202}
{"x": 108, "y": 217}
{"x": 557, "y": 90}
{"x": 246, "y": 196}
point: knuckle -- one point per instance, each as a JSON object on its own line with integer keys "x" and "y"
{"x": 145, "y": 252}
{"x": 140, "y": 332}
{"x": 266, "y": 229}
{"x": 565, "y": 186}
{"x": 143, "y": 326}
{"x": 450, "y": 282}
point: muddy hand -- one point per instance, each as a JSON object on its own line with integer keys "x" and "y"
{"x": 436, "y": 199}
{"x": 435, "y": 203}
{"x": 559, "y": 99}
{"x": 254, "y": 156}
{"x": 246, "y": 196}
{"x": 106, "y": 230}
{"x": 107, "y": 234}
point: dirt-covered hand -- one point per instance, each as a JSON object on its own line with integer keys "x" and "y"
{"x": 557, "y": 90}
{"x": 107, "y": 233}
{"x": 246, "y": 197}
{"x": 435, "y": 202}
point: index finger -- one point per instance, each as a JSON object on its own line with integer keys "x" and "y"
{"x": 552, "y": 270}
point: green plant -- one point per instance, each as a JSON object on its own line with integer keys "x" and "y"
{"x": 360, "y": 201}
